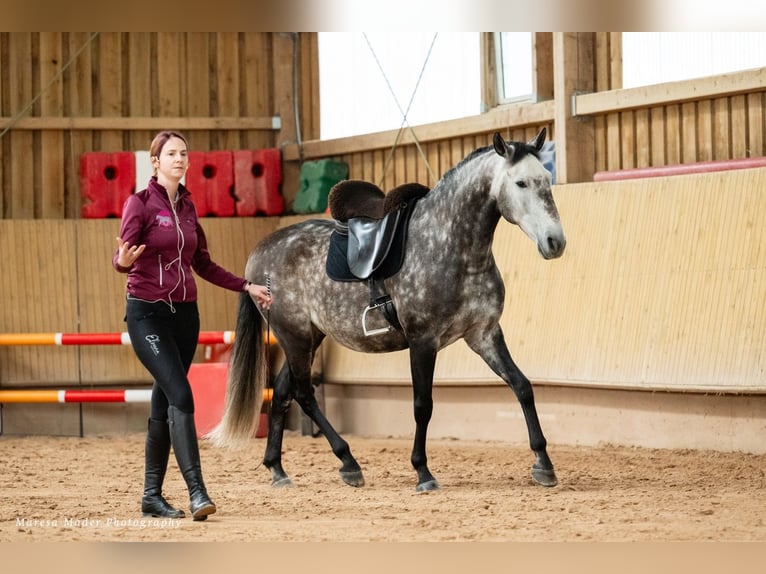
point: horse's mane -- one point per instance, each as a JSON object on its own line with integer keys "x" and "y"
{"x": 521, "y": 149}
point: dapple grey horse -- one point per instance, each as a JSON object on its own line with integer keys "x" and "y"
{"x": 447, "y": 288}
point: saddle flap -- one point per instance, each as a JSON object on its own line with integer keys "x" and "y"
{"x": 369, "y": 241}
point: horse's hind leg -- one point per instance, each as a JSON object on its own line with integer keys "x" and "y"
{"x": 294, "y": 382}
{"x": 494, "y": 351}
{"x": 280, "y": 402}
{"x": 350, "y": 471}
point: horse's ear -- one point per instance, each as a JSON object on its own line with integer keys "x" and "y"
{"x": 538, "y": 141}
{"x": 501, "y": 146}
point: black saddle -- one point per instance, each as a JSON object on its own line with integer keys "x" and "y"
{"x": 370, "y": 229}
{"x": 369, "y": 238}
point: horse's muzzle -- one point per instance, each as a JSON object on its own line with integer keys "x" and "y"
{"x": 553, "y": 247}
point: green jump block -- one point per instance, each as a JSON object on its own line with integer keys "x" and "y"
{"x": 316, "y": 181}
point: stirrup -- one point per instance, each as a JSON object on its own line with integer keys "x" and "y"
{"x": 371, "y": 332}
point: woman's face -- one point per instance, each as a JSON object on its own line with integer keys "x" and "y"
{"x": 173, "y": 161}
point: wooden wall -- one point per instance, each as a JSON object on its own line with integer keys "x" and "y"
{"x": 63, "y": 281}
{"x": 425, "y": 162}
{"x": 661, "y": 286}
{"x": 66, "y": 93}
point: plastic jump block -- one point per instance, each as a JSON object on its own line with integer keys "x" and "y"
{"x": 257, "y": 180}
{"x": 210, "y": 179}
{"x": 316, "y": 181}
{"x": 106, "y": 181}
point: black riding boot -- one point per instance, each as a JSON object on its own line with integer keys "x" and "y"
{"x": 156, "y": 454}
{"x": 183, "y": 435}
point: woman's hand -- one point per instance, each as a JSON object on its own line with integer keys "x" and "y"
{"x": 260, "y": 294}
{"x": 127, "y": 254}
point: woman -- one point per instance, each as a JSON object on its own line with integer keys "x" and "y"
{"x": 160, "y": 243}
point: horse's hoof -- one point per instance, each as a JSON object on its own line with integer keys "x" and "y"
{"x": 352, "y": 477}
{"x": 544, "y": 477}
{"x": 428, "y": 486}
{"x": 281, "y": 482}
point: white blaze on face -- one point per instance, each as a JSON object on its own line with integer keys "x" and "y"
{"x": 523, "y": 194}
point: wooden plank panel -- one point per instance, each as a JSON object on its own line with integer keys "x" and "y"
{"x": 52, "y": 161}
{"x": 431, "y": 150}
{"x": 627, "y": 140}
{"x": 35, "y": 303}
{"x": 169, "y": 74}
{"x": 704, "y": 131}
{"x": 672, "y": 92}
{"x": 256, "y": 85}
{"x": 657, "y": 129}
{"x": 738, "y": 111}
{"x": 721, "y": 129}
{"x": 613, "y": 144}
{"x": 109, "y": 100}
{"x": 138, "y": 81}
{"x": 228, "y": 85}
{"x": 755, "y": 125}
{"x": 457, "y": 153}
{"x": 355, "y": 167}
{"x": 20, "y": 177}
{"x": 399, "y": 169}
{"x": 198, "y": 81}
{"x": 689, "y": 132}
{"x": 642, "y": 139}
{"x": 78, "y": 101}
{"x": 5, "y": 190}
{"x": 308, "y": 84}
{"x": 673, "y": 135}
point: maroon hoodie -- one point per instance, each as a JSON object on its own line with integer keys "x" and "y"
{"x": 163, "y": 271}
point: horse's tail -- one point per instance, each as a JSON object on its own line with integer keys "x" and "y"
{"x": 246, "y": 381}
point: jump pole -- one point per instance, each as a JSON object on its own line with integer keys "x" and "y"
{"x": 8, "y": 339}
{"x": 96, "y": 396}
{"x": 85, "y": 396}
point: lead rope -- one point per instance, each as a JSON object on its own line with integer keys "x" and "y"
{"x": 268, "y": 347}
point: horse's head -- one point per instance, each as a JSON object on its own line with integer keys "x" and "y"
{"x": 522, "y": 189}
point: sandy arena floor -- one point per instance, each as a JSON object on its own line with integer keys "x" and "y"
{"x": 88, "y": 489}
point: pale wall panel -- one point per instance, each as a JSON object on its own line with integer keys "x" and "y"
{"x": 662, "y": 286}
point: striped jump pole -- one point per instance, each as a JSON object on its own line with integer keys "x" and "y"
{"x": 65, "y": 339}
{"x": 85, "y": 396}
{"x": 8, "y": 339}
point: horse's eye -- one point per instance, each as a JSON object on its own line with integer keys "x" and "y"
{"x": 521, "y": 184}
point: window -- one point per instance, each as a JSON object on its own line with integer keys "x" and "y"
{"x": 514, "y": 66}
{"x": 367, "y": 81}
{"x": 656, "y": 57}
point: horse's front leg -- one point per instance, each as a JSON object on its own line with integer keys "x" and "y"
{"x": 491, "y": 347}
{"x": 422, "y": 363}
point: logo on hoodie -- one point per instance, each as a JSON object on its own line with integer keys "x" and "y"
{"x": 164, "y": 219}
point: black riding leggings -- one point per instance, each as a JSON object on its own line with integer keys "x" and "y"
{"x": 165, "y": 343}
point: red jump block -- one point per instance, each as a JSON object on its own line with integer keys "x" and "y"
{"x": 210, "y": 179}
{"x": 257, "y": 178}
{"x": 106, "y": 181}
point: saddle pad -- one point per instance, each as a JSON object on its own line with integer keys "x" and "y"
{"x": 337, "y": 262}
